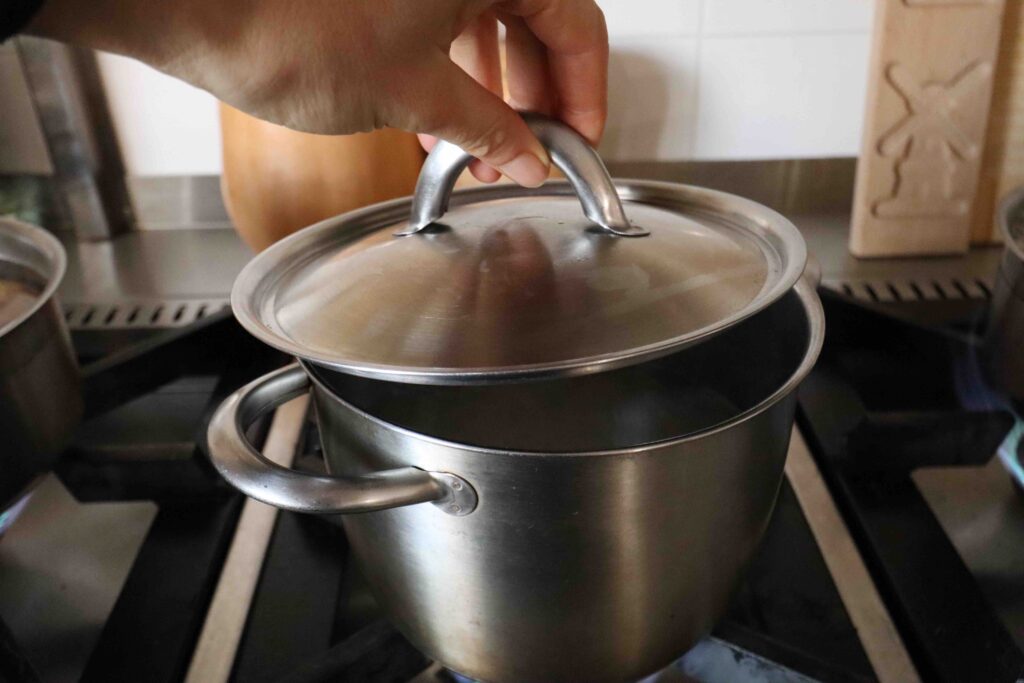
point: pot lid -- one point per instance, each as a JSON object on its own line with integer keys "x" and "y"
{"x": 516, "y": 283}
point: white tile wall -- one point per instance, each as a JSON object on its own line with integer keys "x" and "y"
{"x": 760, "y": 79}
{"x": 781, "y": 96}
{"x": 164, "y": 126}
{"x": 651, "y": 17}
{"x": 652, "y": 111}
{"x": 705, "y": 79}
{"x": 725, "y": 17}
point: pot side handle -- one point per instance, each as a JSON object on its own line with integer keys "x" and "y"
{"x": 569, "y": 151}
{"x": 245, "y": 468}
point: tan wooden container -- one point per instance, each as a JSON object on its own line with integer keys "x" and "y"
{"x": 276, "y": 180}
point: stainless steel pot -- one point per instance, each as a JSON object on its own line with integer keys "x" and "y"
{"x": 1005, "y": 339}
{"x": 597, "y": 406}
{"x": 40, "y": 396}
{"x": 538, "y": 560}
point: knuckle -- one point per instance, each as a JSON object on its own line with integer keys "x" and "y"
{"x": 492, "y": 142}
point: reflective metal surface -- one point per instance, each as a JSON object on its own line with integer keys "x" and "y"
{"x": 983, "y": 513}
{"x": 1005, "y": 342}
{"x": 68, "y": 97}
{"x": 827, "y": 236}
{"x": 249, "y": 471}
{"x": 602, "y": 565}
{"x": 172, "y": 260}
{"x": 153, "y": 265}
{"x": 148, "y": 280}
{"x": 569, "y": 152}
{"x": 40, "y": 400}
{"x": 515, "y": 286}
{"x": 72, "y": 558}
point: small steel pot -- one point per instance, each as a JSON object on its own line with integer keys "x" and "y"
{"x": 40, "y": 395}
{"x": 1005, "y": 338}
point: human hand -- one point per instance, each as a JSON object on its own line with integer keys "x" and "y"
{"x": 345, "y": 66}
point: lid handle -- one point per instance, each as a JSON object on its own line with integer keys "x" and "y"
{"x": 569, "y": 152}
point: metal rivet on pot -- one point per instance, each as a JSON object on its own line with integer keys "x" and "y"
{"x": 460, "y": 498}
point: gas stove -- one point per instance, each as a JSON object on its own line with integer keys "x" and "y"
{"x": 894, "y": 554}
{"x": 925, "y": 463}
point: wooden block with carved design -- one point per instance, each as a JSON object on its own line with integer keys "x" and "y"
{"x": 1002, "y": 161}
{"x": 928, "y": 101}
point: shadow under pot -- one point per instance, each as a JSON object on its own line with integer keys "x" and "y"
{"x": 598, "y": 419}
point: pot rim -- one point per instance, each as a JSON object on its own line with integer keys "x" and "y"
{"x": 253, "y": 281}
{"x": 50, "y": 247}
{"x": 1007, "y": 206}
{"x": 815, "y": 320}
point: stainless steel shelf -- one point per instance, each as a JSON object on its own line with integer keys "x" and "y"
{"x": 164, "y": 278}
{"x": 964, "y": 276}
{"x": 154, "y": 278}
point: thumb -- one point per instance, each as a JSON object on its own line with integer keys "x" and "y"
{"x": 469, "y": 115}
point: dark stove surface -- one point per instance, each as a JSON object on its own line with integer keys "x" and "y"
{"x": 900, "y": 419}
{"x": 884, "y": 401}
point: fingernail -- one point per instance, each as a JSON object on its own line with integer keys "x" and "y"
{"x": 527, "y": 169}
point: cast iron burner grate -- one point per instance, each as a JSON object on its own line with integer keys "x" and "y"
{"x": 147, "y": 402}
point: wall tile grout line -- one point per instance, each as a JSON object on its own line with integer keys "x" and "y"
{"x": 694, "y": 121}
{"x": 789, "y": 33}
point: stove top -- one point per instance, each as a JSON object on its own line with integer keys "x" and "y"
{"x": 894, "y": 554}
{"x": 923, "y": 460}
